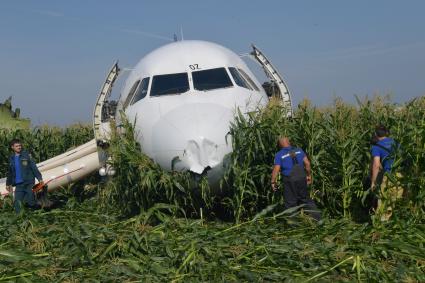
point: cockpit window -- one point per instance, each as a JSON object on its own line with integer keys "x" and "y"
{"x": 169, "y": 84}
{"x": 211, "y": 79}
{"x": 239, "y": 79}
{"x": 141, "y": 91}
{"x": 130, "y": 94}
{"x": 251, "y": 82}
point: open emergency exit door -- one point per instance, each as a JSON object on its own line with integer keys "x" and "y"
{"x": 277, "y": 86}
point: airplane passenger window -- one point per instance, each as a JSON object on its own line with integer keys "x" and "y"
{"x": 169, "y": 84}
{"x": 251, "y": 82}
{"x": 130, "y": 94}
{"x": 239, "y": 79}
{"x": 211, "y": 79}
{"x": 142, "y": 90}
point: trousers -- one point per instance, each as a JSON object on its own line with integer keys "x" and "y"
{"x": 23, "y": 195}
{"x": 295, "y": 192}
{"x": 390, "y": 192}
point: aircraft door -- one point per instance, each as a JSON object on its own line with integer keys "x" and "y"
{"x": 277, "y": 86}
{"x": 104, "y": 110}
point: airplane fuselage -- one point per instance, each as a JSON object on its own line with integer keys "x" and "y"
{"x": 183, "y": 98}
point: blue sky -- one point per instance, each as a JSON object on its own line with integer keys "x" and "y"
{"x": 55, "y": 54}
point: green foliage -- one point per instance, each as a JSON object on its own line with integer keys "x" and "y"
{"x": 337, "y": 141}
{"x": 43, "y": 142}
{"x": 78, "y": 243}
{"x": 10, "y": 119}
{"x": 336, "y": 138}
{"x": 140, "y": 183}
{"x": 134, "y": 229}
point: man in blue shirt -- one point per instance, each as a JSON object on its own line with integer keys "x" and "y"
{"x": 381, "y": 154}
{"x": 382, "y": 160}
{"x": 295, "y": 168}
{"x": 21, "y": 174}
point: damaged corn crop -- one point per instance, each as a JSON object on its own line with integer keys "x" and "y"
{"x": 147, "y": 225}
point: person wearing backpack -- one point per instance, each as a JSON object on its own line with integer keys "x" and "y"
{"x": 383, "y": 151}
{"x": 295, "y": 168}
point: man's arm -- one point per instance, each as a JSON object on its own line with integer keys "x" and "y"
{"x": 376, "y": 165}
{"x": 276, "y": 170}
{"x": 9, "y": 177}
{"x": 35, "y": 170}
{"x": 307, "y": 167}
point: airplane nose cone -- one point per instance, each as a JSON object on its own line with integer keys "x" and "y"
{"x": 196, "y": 133}
{"x": 202, "y": 153}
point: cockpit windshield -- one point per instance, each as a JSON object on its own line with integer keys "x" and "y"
{"x": 142, "y": 91}
{"x": 239, "y": 79}
{"x": 248, "y": 78}
{"x": 169, "y": 84}
{"x": 211, "y": 79}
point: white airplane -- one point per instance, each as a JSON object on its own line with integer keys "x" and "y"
{"x": 183, "y": 98}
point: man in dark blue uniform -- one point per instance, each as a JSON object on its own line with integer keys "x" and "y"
{"x": 22, "y": 173}
{"x": 382, "y": 160}
{"x": 295, "y": 168}
{"x": 380, "y": 151}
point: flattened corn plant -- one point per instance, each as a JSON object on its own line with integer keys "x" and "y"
{"x": 79, "y": 243}
{"x": 147, "y": 225}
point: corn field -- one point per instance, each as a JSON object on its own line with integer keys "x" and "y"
{"x": 147, "y": 225}
{"x": 337, "y": 141}
{"x": 43, "y": 142}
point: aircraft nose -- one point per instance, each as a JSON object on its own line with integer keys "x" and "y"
{"x": 201, "y": 153}
{"x": 197, "y": 135}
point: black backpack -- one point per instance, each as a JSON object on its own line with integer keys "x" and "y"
{"x": 406, "y": 161}
{"x": 297, "y": 172}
